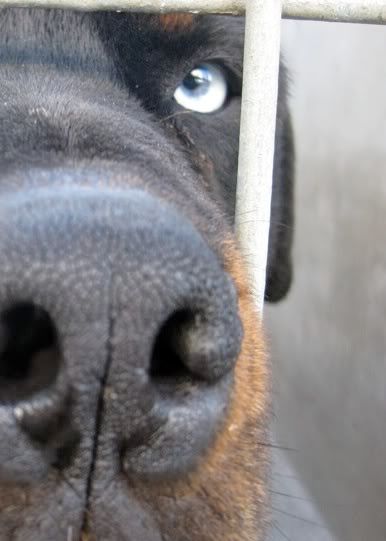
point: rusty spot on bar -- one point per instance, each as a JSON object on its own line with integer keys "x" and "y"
{"x": 176, "y": 22}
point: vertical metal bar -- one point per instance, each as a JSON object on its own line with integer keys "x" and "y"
{"x": 257, "y": 137}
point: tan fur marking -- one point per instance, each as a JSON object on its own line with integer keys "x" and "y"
{"x": 176, "y": 22}
{"x": 225, "y": 498}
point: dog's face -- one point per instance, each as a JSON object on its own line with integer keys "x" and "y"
{"x": 133, "y": 377}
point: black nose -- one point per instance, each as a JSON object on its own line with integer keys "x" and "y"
{"x": 119, "y": 329}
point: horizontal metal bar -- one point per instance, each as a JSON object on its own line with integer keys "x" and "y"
{"x": 257, "y": 137}
{"x": 349, "y": 11}
{"x": 361, "y": 11}
{"x": 234, "y": 7}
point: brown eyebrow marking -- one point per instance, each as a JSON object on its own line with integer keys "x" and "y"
{"x": 176, "y": 22}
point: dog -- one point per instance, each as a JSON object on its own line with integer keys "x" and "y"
{"x": 134, "y": 381}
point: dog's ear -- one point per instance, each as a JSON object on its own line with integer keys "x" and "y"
{"x": 279, "y": 269}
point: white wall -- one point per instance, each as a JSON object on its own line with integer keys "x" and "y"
{"x": 329, "y": 337}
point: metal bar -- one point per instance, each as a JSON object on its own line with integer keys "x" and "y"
{"x": 234, "y": 7}
{"x": 257, "y": 136}
{"x": 349, "y": 11}
{"x": 362, "y": 11}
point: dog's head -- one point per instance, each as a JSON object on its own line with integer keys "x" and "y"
{"x": 133, "y": 377}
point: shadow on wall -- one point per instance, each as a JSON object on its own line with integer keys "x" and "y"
{"x": 328, "y": 338}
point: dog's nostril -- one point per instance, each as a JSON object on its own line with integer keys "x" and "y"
{"x": 167, "y": 362}
{"x": 195, "y": 344}
{"x": 29, "y": 352}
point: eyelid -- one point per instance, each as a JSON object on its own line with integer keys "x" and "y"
{"x": 233, "y": 78}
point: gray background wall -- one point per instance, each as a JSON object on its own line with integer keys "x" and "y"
{"x": 328, "y": 339}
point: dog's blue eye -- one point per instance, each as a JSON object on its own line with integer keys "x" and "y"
{"x": 204, "y": 90}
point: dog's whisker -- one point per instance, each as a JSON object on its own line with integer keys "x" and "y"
{"x": 276, "y": 446}
{"x": 284, "y": 535}
{"x": 298, "y": 517}
{"x": 70, "y": 486}
{"x": 291, "y": 496}
{"x": 287, "y": 475}
{"x": 176, "y": 114}
{"x": 70, "y": 533}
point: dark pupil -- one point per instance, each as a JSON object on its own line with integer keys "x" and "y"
{"x": 192, "y": 82}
